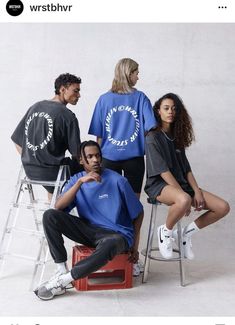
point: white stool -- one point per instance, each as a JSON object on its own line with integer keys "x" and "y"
{"x": 150, "y": 249}
{"x": 25, "y": 201}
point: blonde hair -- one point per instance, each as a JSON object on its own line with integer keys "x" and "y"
{"x": 121, "y": 82}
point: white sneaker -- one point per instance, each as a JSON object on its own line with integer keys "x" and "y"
{"x": 57, "y": 274}
{"x": 164, "y": 243}
{"x": 138, "y": 268}
{"x": 187, "y": 244}
{"x": 51, "y": 288}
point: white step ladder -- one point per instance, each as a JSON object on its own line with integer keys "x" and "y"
{"x": 25, "y": 203}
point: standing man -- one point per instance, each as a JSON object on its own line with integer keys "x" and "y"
{"x": 47, "y": 130}
{"x": 110, "y": 217}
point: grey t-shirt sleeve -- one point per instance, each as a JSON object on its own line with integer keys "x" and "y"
{"x": 155, "y": 162}
{"x": 73, "y": 136}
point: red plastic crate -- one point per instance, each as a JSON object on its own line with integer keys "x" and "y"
{"x": 119, "y": 268}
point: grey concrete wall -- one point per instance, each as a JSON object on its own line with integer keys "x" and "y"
{"x": 194, "y": 60}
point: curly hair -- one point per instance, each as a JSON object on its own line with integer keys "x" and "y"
{"x": 182, "y": 129}
{"x": 65, "y": 79}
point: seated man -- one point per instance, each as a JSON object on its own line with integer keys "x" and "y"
{"x": 110, "y": 217}
{"x": 47, "y": 130}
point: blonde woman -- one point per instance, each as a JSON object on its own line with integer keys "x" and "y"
{"x": 121, "y": 118}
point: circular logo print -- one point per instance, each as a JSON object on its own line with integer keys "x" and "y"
{"x": 14, "y": 7}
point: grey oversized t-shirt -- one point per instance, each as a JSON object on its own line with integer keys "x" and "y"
{"x": 46, "y": 131}
{"x": 162, "y": 156}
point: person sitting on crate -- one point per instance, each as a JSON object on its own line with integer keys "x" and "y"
{"x": 110, "y": 217}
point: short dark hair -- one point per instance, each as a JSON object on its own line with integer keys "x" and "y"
{"x": 66, "y": 79}
{"x": 89, "y": 143}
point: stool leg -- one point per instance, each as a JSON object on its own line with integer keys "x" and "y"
{"x": 40, "y": 262}
{"x": 57, "y": 187}
{"x": 149, "y": 242}
{"x": 181, "y": 254}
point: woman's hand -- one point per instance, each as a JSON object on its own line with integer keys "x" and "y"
{"x": 198, "y": 200}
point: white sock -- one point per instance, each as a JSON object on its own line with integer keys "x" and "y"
{"x": 62, "y": 267}
{"x": 66, "y": 278}
{"x": 167, "y": 232}
{"x": 191, "y": 229}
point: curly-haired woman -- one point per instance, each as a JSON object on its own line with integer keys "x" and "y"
{"x": 170, "y": 179}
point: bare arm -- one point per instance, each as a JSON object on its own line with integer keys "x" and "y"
{"x": 192, "y": 181}
{"x": 198, "y": 200}
{"x": 99, "y": 140}
{"x": 134, "y": 254}
{"x": 67, "y": 198}
{"x": 137, "y": 225}
{"x": 18, "y": 148}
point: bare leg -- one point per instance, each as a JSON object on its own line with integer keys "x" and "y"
{"x": 179, "y": 202}
{"x": 217, "y": 209}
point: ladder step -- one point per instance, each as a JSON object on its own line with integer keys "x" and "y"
{"x": 47, "y": 183}
{"x": 26, "y": 231}
{"x": 28, "y": 203}
{"x": 25, "y": 257}
{"x": 44, "y": 206}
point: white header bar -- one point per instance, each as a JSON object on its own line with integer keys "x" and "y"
{"x": 69, "y": 11}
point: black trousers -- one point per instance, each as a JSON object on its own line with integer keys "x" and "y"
{"x": 107, "y": 243}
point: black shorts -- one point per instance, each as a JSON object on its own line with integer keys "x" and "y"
{"x": 50, "y": 189}
{"x": 133, "y": 169}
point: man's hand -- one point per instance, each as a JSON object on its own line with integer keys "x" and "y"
{"x": 133, "y": 255}
{"x": 90, "y": 177}
{"x": 65, "y": 199}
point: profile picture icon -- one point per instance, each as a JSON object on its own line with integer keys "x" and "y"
{"x": 14, "y": 7}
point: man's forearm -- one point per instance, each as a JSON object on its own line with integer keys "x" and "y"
{"x": 18, "y": 148}
{"x": 67, "y": 198}
{"x": 137, "y": 225}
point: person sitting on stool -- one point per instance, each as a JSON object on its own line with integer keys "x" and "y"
{"x": 47, "y": 130}
{"x": 170, "y": 179}
{"x": 110, "y": 217}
